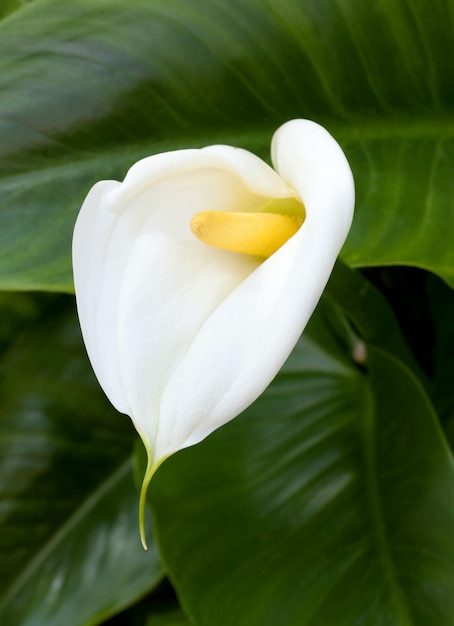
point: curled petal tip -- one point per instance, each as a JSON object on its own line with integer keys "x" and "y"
{"x": 310, "y": 160}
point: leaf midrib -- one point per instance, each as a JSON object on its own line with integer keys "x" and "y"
{"x": 59, "y": 536}
{"x": 355, "y": 130}
{"x": 397, "y": 596}
{"x": 359, "y": 131}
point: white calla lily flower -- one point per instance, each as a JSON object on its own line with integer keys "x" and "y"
{"x": 196, "y": 275}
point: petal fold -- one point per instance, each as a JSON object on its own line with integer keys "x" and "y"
{"x": 183, "y": 336}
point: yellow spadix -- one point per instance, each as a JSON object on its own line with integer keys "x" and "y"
{"x": 258, "y": 233}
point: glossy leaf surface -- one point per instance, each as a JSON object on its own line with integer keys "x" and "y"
{"x": 89, "y": 88}
{"x": 69, "y": 545}
{"x": 168, "y": 618}
{"x": 329, "y": 501}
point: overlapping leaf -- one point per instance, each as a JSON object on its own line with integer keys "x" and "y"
{"x": 168, "y": 618}
{"x": 329, "y": 501}
{"x": 90, "y": 87}
{"x": 69, "y": 546}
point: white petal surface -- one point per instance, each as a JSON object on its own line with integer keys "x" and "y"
{"x": 263, "y": 318}
{"x": 183, "y": 336}
{"x": 144, "y": 284}
{"x": 92, "y": 236}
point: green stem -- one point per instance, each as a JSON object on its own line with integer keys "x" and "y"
{"x": 150, "y": 471}
{"x": 143, "y": 498}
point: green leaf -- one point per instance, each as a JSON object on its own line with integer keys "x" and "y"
{"x": 69, "y": 546}
{"x": 328, "y": 501}
{"x": 17, "y": 310}
{"x": 369, "y": 312}
{"x": 8, "y": 6}
{"x": 172, "y": 617}
{"x": 158, "y": 608}
{"x": 442, "y": 304}
{"x": 90, "y": 87}
{"x": 405, "y": 196}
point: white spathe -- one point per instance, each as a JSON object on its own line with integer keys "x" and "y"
{"x": 183, "y": 336}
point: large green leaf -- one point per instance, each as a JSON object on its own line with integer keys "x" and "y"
{"x": 329, "y": 501}
{"x": 69, "y": 546}
{"x": 8, "y": 6}
{"x": 442, "y": 305}
{"x": 89, "y": 87}
{"x": 173, "y": 617}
